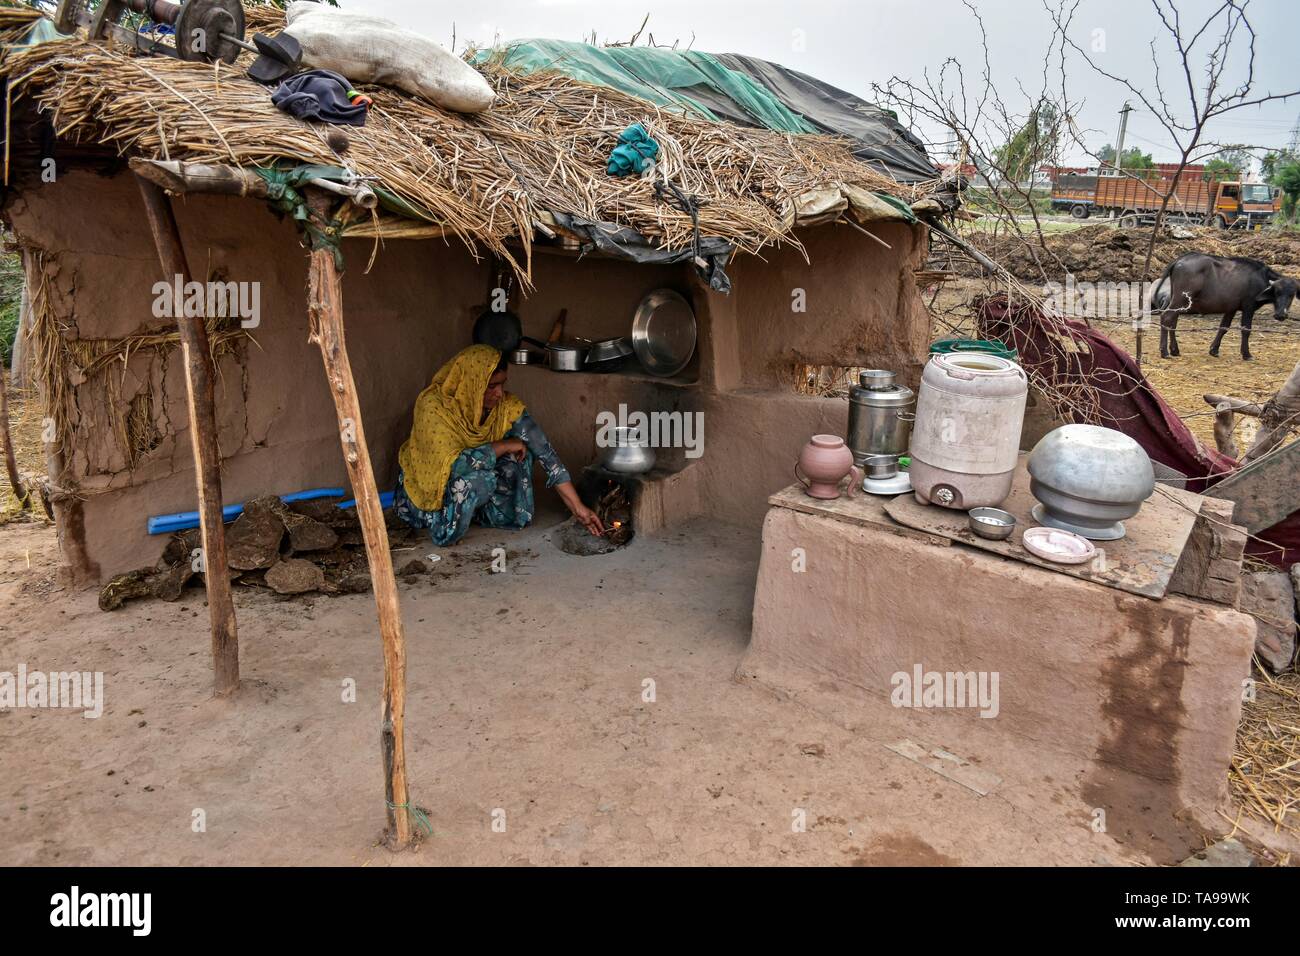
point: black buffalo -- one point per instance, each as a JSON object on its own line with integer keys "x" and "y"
{"x": 1207, "y": 285}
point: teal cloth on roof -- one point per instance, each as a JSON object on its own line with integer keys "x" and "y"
{"x": 689, "y": 82}
{"x": 42, "y": 31}
{"x": 635, "y": 148}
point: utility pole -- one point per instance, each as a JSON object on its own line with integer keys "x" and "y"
{"x": 1119, "y": 140}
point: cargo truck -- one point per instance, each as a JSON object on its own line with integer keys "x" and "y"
{"x": 1228, "y": 204}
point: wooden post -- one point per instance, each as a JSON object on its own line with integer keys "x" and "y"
{"x": 325, "y": 307}
{"x": 203, "y": 438}
{"x": 11, "y": 463}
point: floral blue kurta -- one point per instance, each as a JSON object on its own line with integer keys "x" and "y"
{"x": 495, "y": 492}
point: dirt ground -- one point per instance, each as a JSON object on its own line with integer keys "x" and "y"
{"x": 1099, "y": 251}
{"x": 525, "y": 700}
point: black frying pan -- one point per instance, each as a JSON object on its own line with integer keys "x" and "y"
{"x": 501, "y": 330}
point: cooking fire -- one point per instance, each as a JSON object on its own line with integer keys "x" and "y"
{"x": 611, "y": 499}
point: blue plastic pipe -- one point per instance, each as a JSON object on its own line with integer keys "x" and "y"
{"x": 385, "y": 499}
{"x": 164, "y": 524}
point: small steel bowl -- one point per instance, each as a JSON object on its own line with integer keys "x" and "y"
{"x": 992, "y": 523}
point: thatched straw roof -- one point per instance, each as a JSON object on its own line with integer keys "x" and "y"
{"x": 487, "y": 179}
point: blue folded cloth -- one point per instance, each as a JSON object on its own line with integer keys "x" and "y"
{"x": 634, "y": 150}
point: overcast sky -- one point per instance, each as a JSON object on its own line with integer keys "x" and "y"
{"x": 852, "y": 44}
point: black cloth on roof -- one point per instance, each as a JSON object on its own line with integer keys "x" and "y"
{"x": 882, "y": 140}
{"x": 624, "y": 242}
{"x": 319, "y": 95}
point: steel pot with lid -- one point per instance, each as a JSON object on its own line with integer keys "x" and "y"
{"x": 1089, "y": 479}
{"x": 566, "y": 356}
{"x": 523, "y": 355}
{"x": 880, "y": 421}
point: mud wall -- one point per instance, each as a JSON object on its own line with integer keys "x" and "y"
{"x": 127, "y": 454}
{"x": 862, "y": 308}
{"x": 1129, "y": 704}
{"x": 859, "y": 302}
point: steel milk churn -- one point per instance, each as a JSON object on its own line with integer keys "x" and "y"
{"x": 880, "y": 422}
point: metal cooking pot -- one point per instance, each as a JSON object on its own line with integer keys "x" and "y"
{"x": 1089, "y": 479}
{"x": 607, "y": 349}
{"x": 566, "y": 356}
{"x": 629, "y": 454}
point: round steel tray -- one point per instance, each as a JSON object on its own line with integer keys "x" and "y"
{"x": 663, "y": 332}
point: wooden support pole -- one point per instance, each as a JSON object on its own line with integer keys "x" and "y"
{"x": 203, "y": 438}
{"x": 1238, "y": 406}
{"x": 178, "y": 177}
{"x": 1226, "y": 410}
{"x": 200, "y": 177}
{"x": 11, "y": 463}
{"x": 325, "y": 306}
{"x": 1279, "y": 415}
{"x": 1225, "y": 420}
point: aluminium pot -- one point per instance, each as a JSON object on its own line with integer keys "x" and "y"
{"x": 1088, "y": 480}
{"x": 630, "y": 454}
{"x": 566, "y": 356}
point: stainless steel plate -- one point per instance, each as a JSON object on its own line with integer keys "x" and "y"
{"x": 663, "y": 332}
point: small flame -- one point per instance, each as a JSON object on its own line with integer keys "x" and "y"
{"x": 618, "y": 524}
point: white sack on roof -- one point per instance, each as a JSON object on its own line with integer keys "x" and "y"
{"x": 368, "y": 49}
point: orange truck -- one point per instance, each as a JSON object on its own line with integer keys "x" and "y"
{"x": 1228, "y": 205}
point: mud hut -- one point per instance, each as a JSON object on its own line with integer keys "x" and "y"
{"x": 795, "y": 251}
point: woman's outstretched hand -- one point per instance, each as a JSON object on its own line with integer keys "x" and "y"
{"x": 588, "y": 519}
{"x": 581, "y": 513}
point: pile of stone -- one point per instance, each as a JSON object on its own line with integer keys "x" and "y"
{"x": 1214, "y": 567}
{"x": 296, "y": 548}
{"x": 1271, "y": 597}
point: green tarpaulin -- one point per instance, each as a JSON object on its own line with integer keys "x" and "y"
{"x": 731, "y": 88}
{"x": 691, "y": 81}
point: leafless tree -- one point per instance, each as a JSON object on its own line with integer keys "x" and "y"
{"x": 1206, "y": 53}
{"x": 979, "y": 124}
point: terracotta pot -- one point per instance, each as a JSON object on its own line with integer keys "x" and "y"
{"x": 825, "y": 460}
